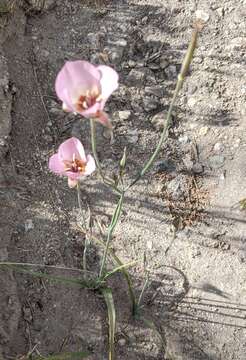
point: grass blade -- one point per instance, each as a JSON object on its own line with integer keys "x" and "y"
{"x": 119, "y": 268}
{"x": 66, "y": 356}
{"x": 108, "y": 297}
{"x": 59, "y": 279}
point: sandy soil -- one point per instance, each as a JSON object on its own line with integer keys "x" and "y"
{"x": 198, "y": 277}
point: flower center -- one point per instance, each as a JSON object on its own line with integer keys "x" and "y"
{"x": 76, "y": 166}
{"x": 84, "y": 102}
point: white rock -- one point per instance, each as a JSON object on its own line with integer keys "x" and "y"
{"x": 124, "y": 114}
{"x": 202, "y": 15}
{"x": 28, "y": 225}
{"x": 203, "y": 131}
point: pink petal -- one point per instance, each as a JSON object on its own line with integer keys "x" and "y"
{"x": 92, "y": 111}
{"x": 103, "y": 118}
{"x": 74, "y": 79}
{"x": 72, "y": 183}
{"x": 56, "y": 165}
{"x": 71, "y": 148}
{"x": 109, "y": 80}
{"x": 90, "y": 166}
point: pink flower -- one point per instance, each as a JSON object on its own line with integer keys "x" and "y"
{"x": 85, "y": 88}
{"x": 72, "y": 162}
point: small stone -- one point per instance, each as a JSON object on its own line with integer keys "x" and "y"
{"x": 150, "y": 104}
{"x": 202, "y": 15}
{"x": 27, "y": 314}
{"x": 122, "y": 342}
{"x": 132, "y": 136}
{"x": 220, "y": 11}
{"x": 94, "y": 40}
{"x": 40, "y": 5}
{"x": 118, "y": 42}
{"x": 124, "y": 114}
{"x": 136, "y": 76}
{"x": 237, "y": 143}
{"x": 177, "y": 187}
{"x": 28, "y": 225}
{"x": 171, "y": 72}
{"x": 116, "y": 55}
{"x": 216, "y": 161}
{"x": 149, "y": 244}
{"x": 192, "y": 102}
{"x": 184, "y": 139}
{"x": 197, "y": 168}
{"x": 218, "y": 147}
{"x": 165, "y": 165}
{"x": 191, "y": 89}
{"x": 203, "y": 130}
{"x": 159, "y": 120}
{"x": 131, "y": 63}
{"x": 107, "y": 133}
{"x": 163, "y": 63}
{"x": 155, "y": 90}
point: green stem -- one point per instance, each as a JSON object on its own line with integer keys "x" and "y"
{"x": 106, "y": 180}
{"x": 87, "y": 243}
{"x": 184, "y": 69}
{"x": 111, "y": 228}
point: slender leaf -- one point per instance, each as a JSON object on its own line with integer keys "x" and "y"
{"x": 108, "y": 297}
{"x": 119, "y": 268}
{"x": 59, "y": 279}
{"x": 66, "y": 356}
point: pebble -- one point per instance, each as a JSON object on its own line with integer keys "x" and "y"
{"x": 122, "y": 342}
{"x": 163, "y": 63}
{"x": 132, "y": 136}
{"x": 155, "y": 90}
{"x": 136, "y": 76}
{"x": 124, "y": 114}
{"x": 158, "y": 120}
{"x": 116, "y": 54}
{"x": 184, "y": 139}
{"x": 165, "y": 165}
{"x": 203, "y": 130}
{"x": 216, "y": 161}
{"x": 171, "y": 72}
{"x": 131, "y": 63}
{"x": 202, "y": 15}
{"x": 197, "y": 168}
{"x": 192, "y": 102}
{"x": 27, "y": 314}
{"x": 218, "y": 147}
{"x": 177, "y": 187}
{"x": 94, "y": 40}
{"x": 220, "y": 11}
{"x": 28, "y": 225}
{"x": 150, "y": 104}
{"x": 38, "y": 5}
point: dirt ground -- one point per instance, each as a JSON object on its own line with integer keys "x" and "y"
{"x": 198, "y": 275}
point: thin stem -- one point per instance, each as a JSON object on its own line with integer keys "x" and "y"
{"x": 179, "y": 83}
{"x": 42, "y": 265}
{"x": 146, "y": 283}
{"x": 87, "y": 242}
{"x": 123, "y": 270}
{"x": 111, "y": 228}
{"x": 106, "y": 180}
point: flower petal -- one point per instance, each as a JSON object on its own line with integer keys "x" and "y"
{"x": 90, "y": 166}
{"x": 71, "y": 148}
{"x": 92, "y": 111}
{"x": 74, "y": 80}
{"x": 72, "y": 183}
{"x": 103, "y": 118}
{"x": 108, "y": 81}
{"x": 56, "y": 165}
